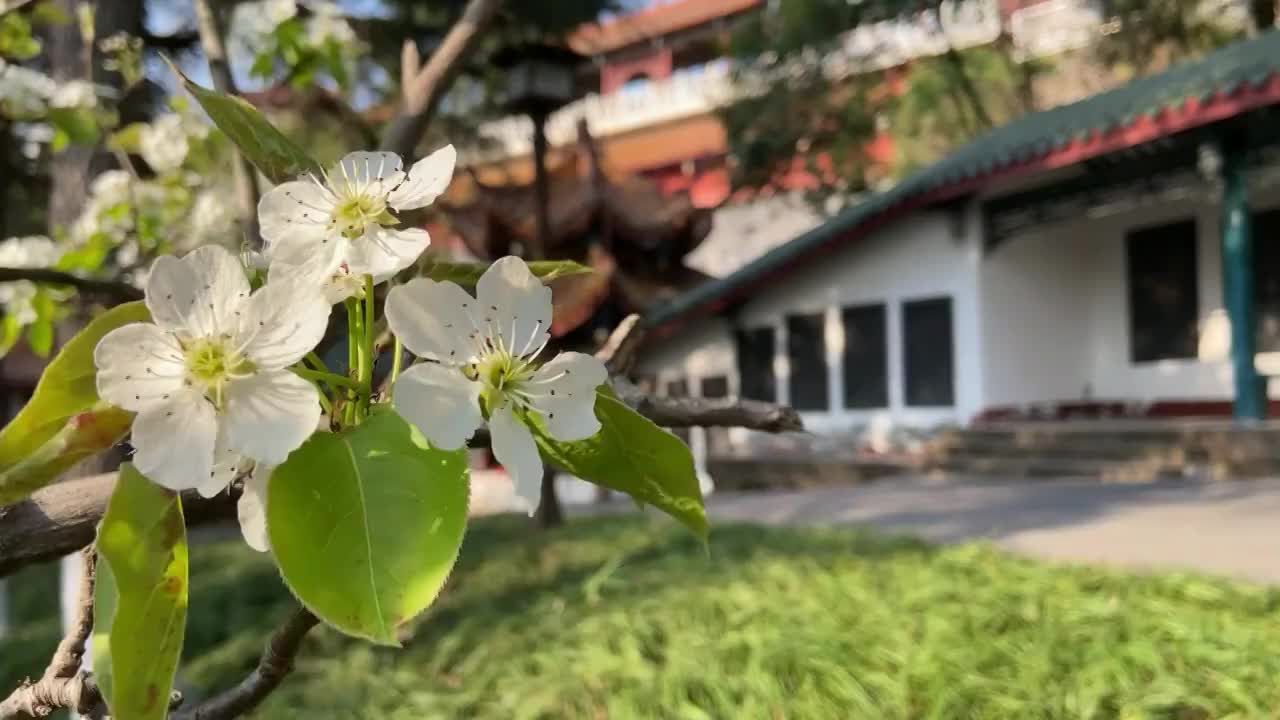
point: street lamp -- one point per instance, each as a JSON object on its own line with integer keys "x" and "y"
{"x": 540, "y": 79}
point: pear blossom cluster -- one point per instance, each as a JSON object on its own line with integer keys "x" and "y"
{"x": 27, "y": 94}
{"x": 218, "y": 380}
{"x": 35, "y": 251}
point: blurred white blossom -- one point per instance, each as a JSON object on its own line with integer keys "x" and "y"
{"x": 75, "y": 94}
{"x": 278, "y": 11}
{"x": 24, "y": 93}
{"x": 164, "y": 142}
{"x": 34, "y": 251}
{"x": 328, "y": 23}
{"x": 211, "y": 220}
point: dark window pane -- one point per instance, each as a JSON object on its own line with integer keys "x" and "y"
{"x": 1266, "y": 279}
{"x": 806, "y": 350}
{"x": 866, "y": 362}
{"x": 715, "y": 387}
{"x": 755, "y": 364}
{"x": 927, "y": 352}
{"x": 1163, "y": 298}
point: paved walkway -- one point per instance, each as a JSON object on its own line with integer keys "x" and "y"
{"x": 1225, "y": 528}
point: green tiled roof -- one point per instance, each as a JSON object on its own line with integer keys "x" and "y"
{"x": 1223, "y": 72}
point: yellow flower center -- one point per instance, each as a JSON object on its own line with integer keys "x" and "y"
{"x": 211, "y": 363}
{"x": 501, "y": 374}
{"x": 357, "y": 212}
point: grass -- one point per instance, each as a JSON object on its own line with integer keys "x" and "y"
{"x": 630, "y": 618}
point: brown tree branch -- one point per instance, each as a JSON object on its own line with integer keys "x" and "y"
{"x": 423, "y": 84}
{"x": 706, "y": 412}
{"x": 62, "y": 518}
{"x": 107, "y": 289}
{"x": 275, "y": 664}
{"x": 62, "y": 685}
{"x": 212, "y": 31}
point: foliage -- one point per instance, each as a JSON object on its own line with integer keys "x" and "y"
{"x": 1150, "y": 34}
{"x": 63, "y": 422}
{"x": 634, "y": 456}
{"x": 366, "y": 524}
{"x": 807, "y": 623}
{"x": 140, "y": 598}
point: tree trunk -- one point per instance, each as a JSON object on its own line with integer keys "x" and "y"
{"x": 549, "y": 514}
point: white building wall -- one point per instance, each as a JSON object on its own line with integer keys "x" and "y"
{"x": 741, "y": 232}
{"x": 1056, "y": 317}
{"x": 923, "y": 256}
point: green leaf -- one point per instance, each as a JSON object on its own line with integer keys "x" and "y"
{"x": 10, "y": 333}
{"x": 61, "y": 417}
{"x": 79, "y": 124}
{"x": 105, "y": 595}
{"x": 632, "y": 455}
{"x": 468, "y": 274}
{"x": 275, "y": 155}
{"x": 128, "y": 138}
{"x": 366, "y": 524}
{"x": 142, "y": 543}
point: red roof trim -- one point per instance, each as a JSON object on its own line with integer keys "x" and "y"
{"x": 1190, "y": 114}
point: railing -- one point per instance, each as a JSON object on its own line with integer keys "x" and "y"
{"x": 1047, "y": 28}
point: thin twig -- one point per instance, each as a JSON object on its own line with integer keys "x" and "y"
{"x": 63, "y": 684}
{"x": 212, "y": 32}
{"x": 423, "y": 84}
{"x": 275, "y": 664}
{"x": 706, "y": 412}
{"x": 107, "y": 289}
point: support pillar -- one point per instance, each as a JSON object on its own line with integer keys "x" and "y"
{"x": 1237, "y": 288}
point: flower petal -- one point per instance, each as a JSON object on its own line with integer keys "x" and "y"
{"x": 427, "y": 179}
{"x": 296, "y": 209}
{"x": 226, "y": 464}
{"x": 139, "y": 366}
{"x": 252, "y": 509}
{"x": 564, "y": 392}
{"x": 309, "y": 261}
{"x": 174, "y": 441}
{"x": 383, "y": 251}
{"x": 284, "y": 320}
{"x": 171, "y": 292}
{"x": 269, "y": 415}
{"x": 440, "y": 402}
{"x": 362, "y": 168}
{"x": 513, "y": 446}
{"x": 514, "y": 305}
{"x": 199, "y": 293}
{"x": 433, "y": 319}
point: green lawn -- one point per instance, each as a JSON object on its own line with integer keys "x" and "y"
{"x": 630, "y": 618}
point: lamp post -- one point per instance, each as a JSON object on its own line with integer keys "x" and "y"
{"x": 539, "y": 81}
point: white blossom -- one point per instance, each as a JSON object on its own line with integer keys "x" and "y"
{"x": 211, "y": 220}
{"x": 208, "y": 377}
{"x": 483, "y": 355}
{"x": 251, "y": 509}
{"x": 34, "y": 251}
{"x": 328, "y": 23}
{"x": 163, "y": 143}
{"x": 24, "y": 93}
{"x": 332, "y": 229}
{"x": 75, "y": 94}
{"x": 278, "y": 11}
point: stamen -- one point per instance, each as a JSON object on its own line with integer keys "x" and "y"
{"x": 532, "y": 336}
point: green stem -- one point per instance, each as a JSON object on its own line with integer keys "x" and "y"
{"x": 371, "y": 353}
{"x": 354, "y": 337}
{"x": 316, "y": 362}
{"x": 325, "y": 377}
{"x": 396, "y": 359}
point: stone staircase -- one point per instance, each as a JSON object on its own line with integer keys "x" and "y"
{"x": 1117, "y": 451}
